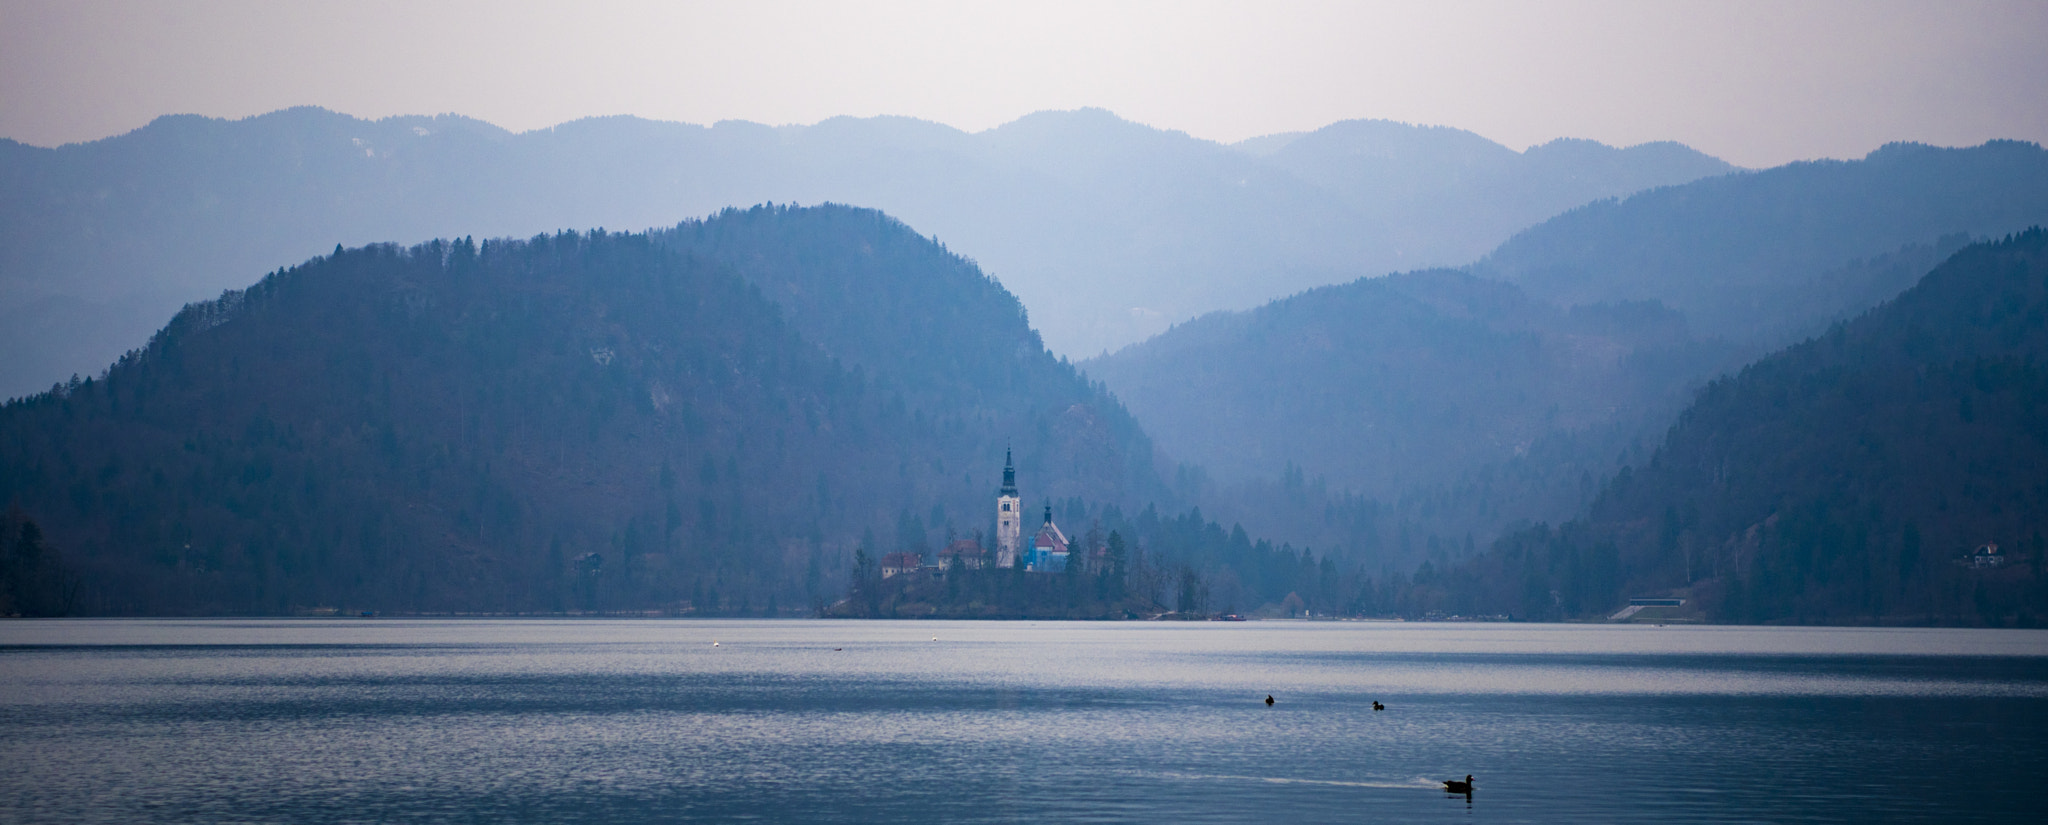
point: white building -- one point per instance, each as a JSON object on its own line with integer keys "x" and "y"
{"x": 1009, "y": 517}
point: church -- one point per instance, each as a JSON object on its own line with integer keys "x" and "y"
{"x": 1049, "y": 548}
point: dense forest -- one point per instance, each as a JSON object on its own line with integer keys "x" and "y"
{"x": 1862, "y": 476}
{"x": 576, "y": 421}
{"x": 950, "y": 344}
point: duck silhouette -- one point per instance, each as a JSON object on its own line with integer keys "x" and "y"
{"x": 1269, "y": 700}
{"x": 1377, "y": 706}
{"x": 1455, "y": 786}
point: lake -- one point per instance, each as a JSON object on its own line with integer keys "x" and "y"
{"x": 570, "y": 721}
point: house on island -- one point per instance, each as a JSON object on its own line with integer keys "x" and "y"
{"x": 1987, "y": 556}
{"x": 966, "y": 554}
{"x": 899, "y": 563}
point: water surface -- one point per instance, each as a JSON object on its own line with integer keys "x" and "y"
{"x": 322, "y": 721}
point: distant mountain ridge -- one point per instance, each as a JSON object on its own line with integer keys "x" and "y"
{"x": 1738, "y": 254}
{"x": 1108, "y": 230}
{"x": 1412, "y": 179}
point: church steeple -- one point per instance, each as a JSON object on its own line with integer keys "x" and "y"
{"x": 1009, "y": 517}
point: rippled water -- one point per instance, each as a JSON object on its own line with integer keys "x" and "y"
{"x": 647, "y": 721}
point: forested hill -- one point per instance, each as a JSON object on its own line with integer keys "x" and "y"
{"x": 1843, "y": 480}
{"x": 1385, "y": 384}
{"x": 934, "y": 331}
{"x": 1109, "y": 230}
{"x": 461, "y": 426}
{"x": 1770, "y": 257}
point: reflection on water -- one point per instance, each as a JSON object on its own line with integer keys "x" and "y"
{"x": 588, "y": 721}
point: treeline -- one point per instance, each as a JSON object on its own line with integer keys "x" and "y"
{"x": 34, "y": 580}
{"x": 1132, "y": 565}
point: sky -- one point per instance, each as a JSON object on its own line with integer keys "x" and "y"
{"x": 1756, "y": 83}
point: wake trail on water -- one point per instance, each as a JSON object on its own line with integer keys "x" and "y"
{"x": 1415, "y": 783}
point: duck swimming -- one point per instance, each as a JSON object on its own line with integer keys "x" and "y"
{"x": 1455, "y": 786}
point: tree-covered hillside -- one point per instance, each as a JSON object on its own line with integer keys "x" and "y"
{"x": 571, "y": 421}
{"x": 1438, "y": 406}
{"x": 932, "y": 330}
{"x": 1846, "y": 479}
{"x": 1383, "y": 384}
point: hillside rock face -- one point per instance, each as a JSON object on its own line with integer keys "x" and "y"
{"x": 576, "y": 421}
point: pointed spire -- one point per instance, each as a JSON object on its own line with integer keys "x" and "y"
{"x": 1048, "y": 512}
{"x": 1009, "y": 476}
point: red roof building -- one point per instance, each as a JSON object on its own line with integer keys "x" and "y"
{"x": 897, "y": 563}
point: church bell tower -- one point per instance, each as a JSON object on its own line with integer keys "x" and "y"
{"x": 1009, "y": 517}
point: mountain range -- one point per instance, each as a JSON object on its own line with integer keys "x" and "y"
{"x": 1503, "y": 391}
{"x": 712, "y": 415}
{"x": 1108, "y": 231}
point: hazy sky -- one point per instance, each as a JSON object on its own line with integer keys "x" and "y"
{"x": 1755, "y": 83}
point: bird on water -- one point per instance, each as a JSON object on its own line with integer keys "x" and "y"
{"x": 1455, "y": 786}
{"x": 1377, "y": 706}
{"x": 1269, "y": 700}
